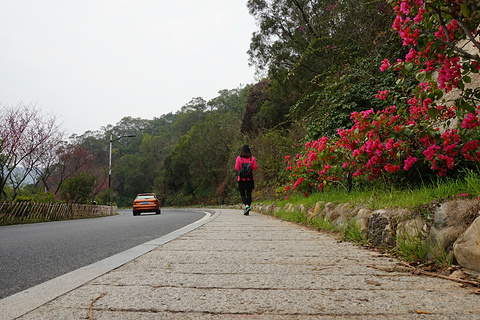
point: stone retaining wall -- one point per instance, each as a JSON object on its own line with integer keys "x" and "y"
{"x": 451, "y": 228}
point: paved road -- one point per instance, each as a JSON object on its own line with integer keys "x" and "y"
{"x": 34, "y": 253}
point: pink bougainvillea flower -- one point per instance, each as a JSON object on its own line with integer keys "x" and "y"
{"x": 409, "y": 162}
{"x": 382, "y": 95}
{"x": 385, "y": 65}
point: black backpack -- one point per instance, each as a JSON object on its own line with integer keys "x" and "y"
{"x": 246, "y": 169}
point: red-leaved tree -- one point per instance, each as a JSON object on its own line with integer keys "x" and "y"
{"x": 27, "y": 138}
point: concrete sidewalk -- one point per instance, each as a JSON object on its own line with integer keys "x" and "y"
{"x": 258, "y": 267}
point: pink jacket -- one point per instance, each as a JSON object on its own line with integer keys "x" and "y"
{"x": 238, "y": 164}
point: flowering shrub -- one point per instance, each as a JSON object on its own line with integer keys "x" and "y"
{"x": 382, "y": 146}
{"x": 386, "y": 144}
{"x": 439, "y": 41}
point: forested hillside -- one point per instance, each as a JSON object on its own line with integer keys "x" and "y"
{"x": 322, "y": 90}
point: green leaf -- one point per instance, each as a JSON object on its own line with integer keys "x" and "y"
{"x": 470, "y": 107}
{"x": 421, "y": 76}
{"x": 432, "y": 112}
{"x": 464, "y": 105}
{"x": 422, "y": 42}
{"x": 465, "y": 9}
{"x": 467, "y": 79}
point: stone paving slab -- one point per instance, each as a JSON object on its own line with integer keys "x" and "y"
{"x": 271, "y": 281}
{"x": 251, "y": 301}
{"x": 258, "y": 257}
{"x": 258, "y": 267}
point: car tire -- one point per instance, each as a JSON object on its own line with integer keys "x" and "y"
{"x": 158, "y": 211}
{"x": 135, "y": 213}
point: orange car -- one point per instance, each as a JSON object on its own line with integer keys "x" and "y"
{"x": 146, "y": 202}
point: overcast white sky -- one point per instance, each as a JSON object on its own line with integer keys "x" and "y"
{"x": 93, "y": 62}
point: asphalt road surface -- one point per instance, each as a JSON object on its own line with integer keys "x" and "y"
{"x": 34, "y": 253}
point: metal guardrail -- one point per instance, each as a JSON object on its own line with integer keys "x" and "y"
{"x": 27, "y": 212}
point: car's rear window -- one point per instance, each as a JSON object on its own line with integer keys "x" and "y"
{"x": 145, "y": 197}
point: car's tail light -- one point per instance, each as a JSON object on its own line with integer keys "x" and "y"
{"x": 146, "y": 200}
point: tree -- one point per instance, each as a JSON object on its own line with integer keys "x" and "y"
{"x": 200, "y": 165}
{"x": 71, "y": 159}
{"x": 27, "y": 139}
{"x": 258, "y": 94}
{"x": 321, "y": 58}
{"x": 314, "y": 35}
{"x": 191, "y": 113}
{"x": 79, "y": 189}
{"x": 229, "y": 100}
{"x": 133, "y": 174}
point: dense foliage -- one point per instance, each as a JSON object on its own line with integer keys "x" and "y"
{"x": 434, "y": 132}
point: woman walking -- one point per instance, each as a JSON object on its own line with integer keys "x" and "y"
{"x": 245, "y": 165}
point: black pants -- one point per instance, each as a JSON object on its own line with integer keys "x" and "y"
{"x": 245, "y": 188}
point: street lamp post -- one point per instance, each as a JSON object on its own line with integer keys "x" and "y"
{"x": 110, "y": 164}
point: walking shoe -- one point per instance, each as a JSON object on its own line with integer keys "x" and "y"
{"x": 247, "y": 210}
